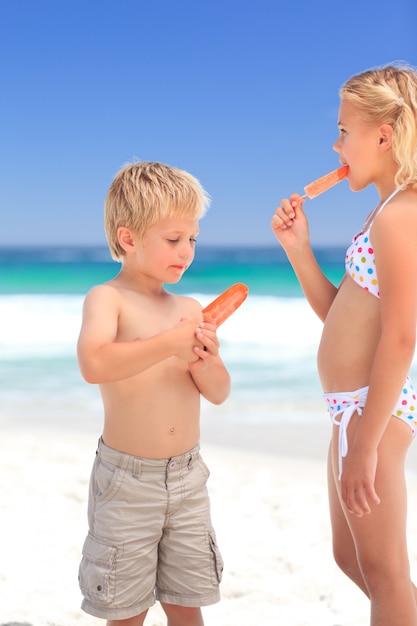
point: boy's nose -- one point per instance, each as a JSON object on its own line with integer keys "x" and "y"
{"x": 186, "y": 251}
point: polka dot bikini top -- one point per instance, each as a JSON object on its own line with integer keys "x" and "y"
{"x": 360, "y": 259}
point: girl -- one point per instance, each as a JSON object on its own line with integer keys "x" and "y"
{"x": 369, "y": 338}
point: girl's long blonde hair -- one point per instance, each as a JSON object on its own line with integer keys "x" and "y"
{"x": 388, "y": 95}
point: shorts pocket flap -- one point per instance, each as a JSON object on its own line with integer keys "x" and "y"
{"x": 218, "y": 560}
{"x": 96, "y": 569}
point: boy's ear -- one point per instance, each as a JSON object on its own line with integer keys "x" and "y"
{"x": 385, "y": 136}
{"x": 126, "y": 239}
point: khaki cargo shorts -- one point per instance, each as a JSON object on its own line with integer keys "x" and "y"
{"x": 150, "y": 535}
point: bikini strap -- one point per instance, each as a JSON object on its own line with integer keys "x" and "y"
{"x": 390, "y": 197}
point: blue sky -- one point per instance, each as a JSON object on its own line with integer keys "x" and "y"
{"x": 243, "y": 94}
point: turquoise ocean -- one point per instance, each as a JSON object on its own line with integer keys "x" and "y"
{"x": 269, "y": 344}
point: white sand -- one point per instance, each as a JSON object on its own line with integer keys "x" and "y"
{"x": 270, "y": 515}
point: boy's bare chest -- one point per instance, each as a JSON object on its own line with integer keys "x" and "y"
{"x": 140, "y": 318}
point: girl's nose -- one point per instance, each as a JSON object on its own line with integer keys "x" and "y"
{"x": 336, "y": 145}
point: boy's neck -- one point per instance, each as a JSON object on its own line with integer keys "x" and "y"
{"x": 132, "y": 278}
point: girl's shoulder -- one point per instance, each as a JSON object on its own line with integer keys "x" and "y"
{"x": 401, "y": 209}
{"x": 397, "y": 222}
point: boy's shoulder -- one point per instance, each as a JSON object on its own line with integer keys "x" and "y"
{"x": 101, "y": 295}
{"x": 102, "y": 290}
{"x": 190, "y": 303}
{"x": 114, "y": 292}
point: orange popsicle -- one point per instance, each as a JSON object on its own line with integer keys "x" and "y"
{"x": 224, "y": 305}
{"x": 324, "y": 183}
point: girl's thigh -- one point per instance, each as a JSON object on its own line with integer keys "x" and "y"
{"x": 381, "y": 535}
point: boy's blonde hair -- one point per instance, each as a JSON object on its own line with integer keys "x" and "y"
{"x": 388, "y": 95}
{"x": 143, "y": 193}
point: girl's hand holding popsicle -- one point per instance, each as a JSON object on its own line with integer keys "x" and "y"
{"x": 289, "y": 223}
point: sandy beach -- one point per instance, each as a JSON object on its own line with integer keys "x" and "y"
{"x": 269, "y": 510}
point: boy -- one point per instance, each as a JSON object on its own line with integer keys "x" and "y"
{"x": 150, "y": 534}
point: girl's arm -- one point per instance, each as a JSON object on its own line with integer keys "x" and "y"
{"x": 290, "y": 227}
{"x": 394, "y": 238}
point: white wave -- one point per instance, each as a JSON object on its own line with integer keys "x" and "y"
{"x": 38, "y": 326}
{"x": 262, "y": 329}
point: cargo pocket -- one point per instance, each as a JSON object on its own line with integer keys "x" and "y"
{"x": 217, "y": 570}
{"x": 97, "y": 571}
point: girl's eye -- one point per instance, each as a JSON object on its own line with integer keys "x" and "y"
{"x": 193, "y": 239}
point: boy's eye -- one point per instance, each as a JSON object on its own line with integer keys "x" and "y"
{"x": 192, "y": 239}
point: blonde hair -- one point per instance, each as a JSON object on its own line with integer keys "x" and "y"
{"x": 388, "y": 95}
{"x": 145, "y": 192}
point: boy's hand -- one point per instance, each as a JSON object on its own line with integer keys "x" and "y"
{"x": 208, "y": 371}
{"x": 209, "y": 348}
{"x": 186, "y": 340}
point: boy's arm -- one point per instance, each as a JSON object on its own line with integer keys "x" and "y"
{"x": 214, "y": 382}
{"x": 209, "y": 372}
{"x": 103, "y": 359}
